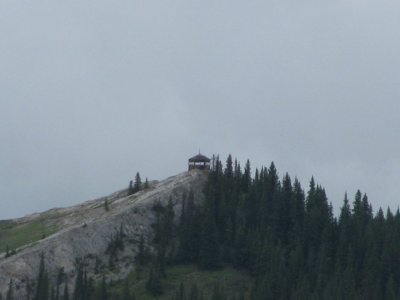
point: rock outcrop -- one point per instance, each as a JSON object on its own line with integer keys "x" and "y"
{"x": 86, "y": 230}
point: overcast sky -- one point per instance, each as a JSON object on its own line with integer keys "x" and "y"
{"x": 93, "y": 91}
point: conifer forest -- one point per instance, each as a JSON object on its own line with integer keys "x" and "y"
{"x": 284, "y": 237}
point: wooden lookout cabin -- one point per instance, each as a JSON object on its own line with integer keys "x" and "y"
{"x": 200, "y": 162}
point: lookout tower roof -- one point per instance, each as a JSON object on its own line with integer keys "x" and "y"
{"x": 199, "y": 158}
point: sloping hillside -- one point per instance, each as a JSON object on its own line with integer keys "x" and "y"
{"x": 85, "y": 231}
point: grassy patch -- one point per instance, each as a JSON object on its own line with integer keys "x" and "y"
{"x": 16, "y": 235}
{"x": 230, "y": 280}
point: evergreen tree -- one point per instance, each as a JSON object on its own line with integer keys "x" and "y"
{"x": 269, "y": 195}
{"x": 42, "y": 287}
{"x": 154, "y": 282}
{"x": 52, "y": 294}
{"x": 229, "y": 167}
{"x": 218, "y": 293}
{"x": 282, "y": 212}
{"x": 209, "y": 247}
{"x": 345, "y": 233}
{"x": 141, "y": 257}
{"x": 126, "y": 294}
{"x": 60, "y": 279}
{"x": 180, "y": 293}
{"x": 247, "y": 177}
{"x": 163, "y": 232}
{"x": 80, "y": 282}
{"x": 130, "y": 188}
{"x": 103, "y": 290}
{"x": 298, "y": 210}
{"x": 10, "y": 291}
{"x": 168, "y": 222}
{"x": 29, "y": 289}
{"x": 96, "y": 265}
{"x": 106, "y": 205}
{"x": 66, "y": 292}
{"x": 138, "y": 183}
{"x": 194, "y": 293}
{"x": 188, "y": 231}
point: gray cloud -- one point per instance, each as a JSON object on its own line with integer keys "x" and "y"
{"x": 91, "y": 92}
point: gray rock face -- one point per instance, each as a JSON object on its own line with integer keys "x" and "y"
{"x": 86, "y": 230}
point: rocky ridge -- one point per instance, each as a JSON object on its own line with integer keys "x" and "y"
{"x": 85, "y": 231}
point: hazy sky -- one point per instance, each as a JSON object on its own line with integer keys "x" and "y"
{"x": 93, "y": 91}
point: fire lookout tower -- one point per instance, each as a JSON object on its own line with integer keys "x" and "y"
{"x": 199, "y": 162}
